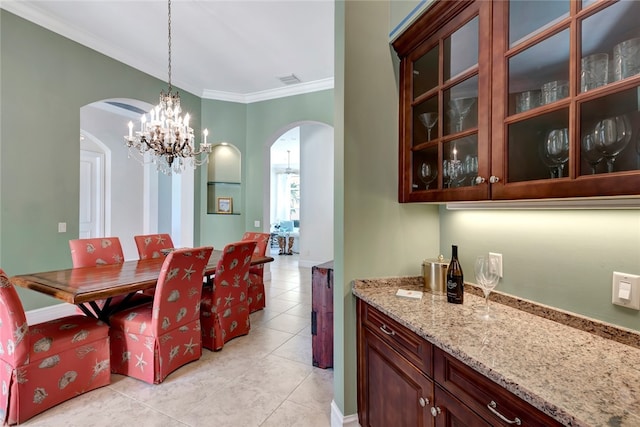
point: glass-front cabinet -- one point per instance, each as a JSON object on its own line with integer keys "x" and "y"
{"x": 519, "y": 100}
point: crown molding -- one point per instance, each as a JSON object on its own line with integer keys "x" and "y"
{"x": 265, "y": 95}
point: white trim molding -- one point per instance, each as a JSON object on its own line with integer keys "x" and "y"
{"x": 339, "y": 420}
{"x": 51, "y": 312}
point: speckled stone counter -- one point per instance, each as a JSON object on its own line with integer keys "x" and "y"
{"x": 575, "y": 376}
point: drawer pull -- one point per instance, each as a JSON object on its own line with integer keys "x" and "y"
{"x": 386, "y": 330}
{"x": 492, "y": 407}
{"x": 435, "y": 410}
{"x": 423, "y": 402}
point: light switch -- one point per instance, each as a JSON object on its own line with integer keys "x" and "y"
{"x": 62, "y": 227}
{"x": 256, "y": 224}
{"x": 626, "y": 290}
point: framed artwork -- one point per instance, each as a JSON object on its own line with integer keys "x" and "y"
{"x": 225, "y": 205}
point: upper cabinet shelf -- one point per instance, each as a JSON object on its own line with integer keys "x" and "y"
{"x": 520, "y": 100}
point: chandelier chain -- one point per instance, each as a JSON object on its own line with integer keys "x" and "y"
{"x": 169, "y": 42}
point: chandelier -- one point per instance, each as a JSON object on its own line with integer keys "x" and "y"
{"x": 167, "y": 137}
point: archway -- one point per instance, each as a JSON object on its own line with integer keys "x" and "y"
{"x": 315, "y": 244}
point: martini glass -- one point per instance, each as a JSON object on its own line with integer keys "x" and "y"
{"x": 460, "y": 108}
{"x": 429, "y": 120}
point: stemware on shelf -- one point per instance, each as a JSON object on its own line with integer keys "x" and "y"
{"x": 555, "y": 151}
{"x": 590, "y": 151}
{"x": 427, "y": 174}
{"x": 487, "y": 277}
{"x": 611, "y": 136}
{"x": 460, "y": 107}
{"x": 429, "y": 120}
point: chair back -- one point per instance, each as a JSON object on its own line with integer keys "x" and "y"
{"x": 179, "y": 288}
{"x": 151, "y": 245}
{"x": 262, "y": 241}
{"x": 13, "y": 325}
{"x": 96, "y": 251}
{"x": 232, "y": 271}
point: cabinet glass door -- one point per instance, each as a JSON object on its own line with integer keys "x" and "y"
{"x": 609, "y": 122}
{"x": 445, "y": 112}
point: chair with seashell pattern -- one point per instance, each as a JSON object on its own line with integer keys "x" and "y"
{"x": 225, "y": 307}
{"x": 102, "y": 251}
{"x": 256, "y": 272}
{"x": 150, "y": 341}
{"x": 48, "y": 363}
{"x": 151, "y": 245}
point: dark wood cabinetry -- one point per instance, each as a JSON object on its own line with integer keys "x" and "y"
{"x": 403, "y": 380}
{"x": 521, "y": 99}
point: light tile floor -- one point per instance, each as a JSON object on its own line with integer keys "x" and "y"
{"x": 264, "y": 379}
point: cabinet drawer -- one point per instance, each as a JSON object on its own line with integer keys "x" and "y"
{"x": 413, "y": 347}
{"x": 478, "y": 392}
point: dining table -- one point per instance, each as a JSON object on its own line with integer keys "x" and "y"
{"x": 86, "y": 285}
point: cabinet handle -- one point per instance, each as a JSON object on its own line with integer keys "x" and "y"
{"x": 493, "y": 179}
{"x": 387, "y": 331}
{"x": 492, "y": 407}
{"x": 479, "y": 180}
{"x": 435, "y": 410}
{"x": 423, "y": 402}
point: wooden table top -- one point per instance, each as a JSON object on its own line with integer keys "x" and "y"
{"x": 81, "y": 285}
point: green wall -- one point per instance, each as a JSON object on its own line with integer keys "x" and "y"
{"x": 375, "y": 235}
{"x": 45, "y": 79}
{"x": 562, "y": 258}
{"x": 252, "y": 128}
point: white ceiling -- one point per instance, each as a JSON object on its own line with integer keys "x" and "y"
{"x": 233, "y": 50}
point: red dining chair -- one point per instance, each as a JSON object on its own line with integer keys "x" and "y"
{"x": 150, "y": 341}
{"x": 151, "y": 245}
{"x": 48, "y": 363}
{"x": 102, "y": 251}
{"x": 225, "y": 309}
{"x": 257, "y": 300}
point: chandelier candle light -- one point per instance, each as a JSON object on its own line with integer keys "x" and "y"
{"x": 167, "y": 135}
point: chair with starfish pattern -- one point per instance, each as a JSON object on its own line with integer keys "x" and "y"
{"x": 151, "y": 340}
{"x": 225, "y": 307}
{"x": 256, "y": 296}
{"x": 48, "y": 363}
{"x": 151, "y": 245}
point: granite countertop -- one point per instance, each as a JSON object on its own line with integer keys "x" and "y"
{"x": 576, "y": 377}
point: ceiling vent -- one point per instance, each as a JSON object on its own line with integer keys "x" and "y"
{"x": 290, "y": 80}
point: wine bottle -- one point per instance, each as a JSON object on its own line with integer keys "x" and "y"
{"x": 455, "y": 280}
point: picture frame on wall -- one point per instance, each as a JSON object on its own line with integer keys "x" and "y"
{"x": 224, "y": 205}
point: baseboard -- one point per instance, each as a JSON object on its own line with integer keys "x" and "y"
{"x": 309, "y": 264}
{"x": 51, "y": 312}
{"x": 339, "y": 420}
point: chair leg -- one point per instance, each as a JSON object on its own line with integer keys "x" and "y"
{"x": 290, "y": 248}
{"x": 281, "y": 245}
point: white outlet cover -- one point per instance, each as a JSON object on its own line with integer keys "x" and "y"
{"x": 625, "y": 290}
{"x": 499, "y": 258}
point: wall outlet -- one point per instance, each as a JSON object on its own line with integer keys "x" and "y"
{"x": 498, "y": 258}
{"x": 256, "y": 224}
{"x": 62, "y": 227}
{"x": 626, "y": 290}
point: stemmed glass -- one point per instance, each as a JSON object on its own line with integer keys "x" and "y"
{"x": 590, "y": 151}
{"x": 429, "y": 120}
{"x": 555, "y": 151}
{"x": 427, "y": 173}
{"x": 611, "y": 136}
{"x": 460, "y": 107}
{"x": 487, "y": 277}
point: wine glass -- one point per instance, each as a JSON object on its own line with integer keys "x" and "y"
{"x": 429, "y": 120}
{"x": 487, "y": 277}
{"x": 460, "y": 107}
{"x": 590, "y": 151}
{"x": 427, "y": 173}
{"x": 555, "y": 151}
{"x": 611, "y": 136}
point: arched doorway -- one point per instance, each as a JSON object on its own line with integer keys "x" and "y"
{"x": 316, "y": 148}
